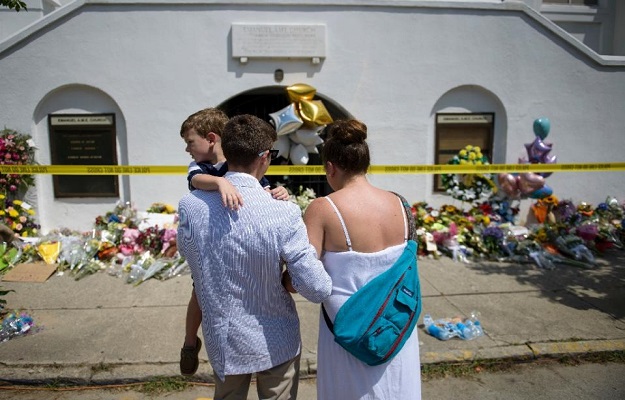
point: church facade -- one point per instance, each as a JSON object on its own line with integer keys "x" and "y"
{"x": 110, "y": 83}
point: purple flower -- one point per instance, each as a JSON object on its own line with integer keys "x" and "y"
{"x": 492, "y": 232}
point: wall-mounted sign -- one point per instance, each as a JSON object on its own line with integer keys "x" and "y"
{"x": 278, "y": 41}
{"x": 464, "y": 118}
{"x": 80, "y": 139}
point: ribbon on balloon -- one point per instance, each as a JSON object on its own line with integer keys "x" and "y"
{"x": 531, "y": 184}
{"x": 299, "y": 124}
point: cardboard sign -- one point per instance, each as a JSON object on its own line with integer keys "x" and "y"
{"x": 33, "y": 272}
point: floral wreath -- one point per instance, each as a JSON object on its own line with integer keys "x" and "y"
{"x": 15, "y": 149}
{"x": 469, "y": 187}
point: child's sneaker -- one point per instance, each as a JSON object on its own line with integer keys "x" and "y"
{"x": 189, "y": 360}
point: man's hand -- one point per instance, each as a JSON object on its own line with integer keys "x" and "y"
{"x": 230, "y": 197}
{"x": 287, "y": 283}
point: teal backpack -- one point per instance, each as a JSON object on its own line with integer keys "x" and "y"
{"x": 375, "y": 322}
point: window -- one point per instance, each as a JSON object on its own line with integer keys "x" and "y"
{"x": 455, "y": 131}
{"x": 83, "y": 139}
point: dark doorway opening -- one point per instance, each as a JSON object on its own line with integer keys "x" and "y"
{"x": 266, "y": 100}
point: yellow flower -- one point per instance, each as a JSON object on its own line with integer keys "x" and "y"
{"x": 170, "y": 209}
{"x": 2, "y": 212}
{"x": 30, "y": 212}
{"x": 450, "y": 208}
{"x": 2, "y": 197}
{"x": 478, "y": 162}
{"x": 477, "y": 149}
{"x": 471, "y": 156}
{"x": 463, "y": 161}
{"x": 551, "y": 199}
{"x": 17, "y": 202}
{"x": 25, "y": 234}
{"x": 484, "y": 219}
{"x": 13, "y": 212}
{"x": 469, "y": 147}
{"x": 462, "y": 153}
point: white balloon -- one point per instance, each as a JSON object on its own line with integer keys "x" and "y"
{"x": 312, "y": 149}
{"x": 299, "y": 154}
{"x": 307, "y": 137}
{"x": 294, "y": 138}
{"x": 283, "y": 145}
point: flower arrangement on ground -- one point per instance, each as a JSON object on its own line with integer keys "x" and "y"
{"x": 15, "y": 149}
{"x": 161, "y": 208}
{"x": 19, "y": 216}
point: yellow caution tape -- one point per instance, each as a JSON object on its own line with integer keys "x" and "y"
{"x": 312, "y": 169}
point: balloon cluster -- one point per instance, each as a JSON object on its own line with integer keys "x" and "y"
{"x": 298, "y": 125}
{"x": 531, "y": 184}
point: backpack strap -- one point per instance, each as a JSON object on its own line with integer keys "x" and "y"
{"x": 327, "y": 318}
{"x": 336, "y": 210}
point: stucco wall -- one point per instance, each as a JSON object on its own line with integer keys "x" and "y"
{"x": 388, "y": 63}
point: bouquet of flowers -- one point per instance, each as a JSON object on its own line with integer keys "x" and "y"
{"x": 19, "y": 216}
{"x": 161, "y": 208}
{"x": 303, "y": 197}
{"x": 469, "y": 187}
{"x": 15, "y": 149}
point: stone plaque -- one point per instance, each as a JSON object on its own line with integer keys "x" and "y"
{"x": 84, "y": 140}
{"x": 278, "y": 41}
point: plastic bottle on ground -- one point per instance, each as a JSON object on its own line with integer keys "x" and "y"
{"x": 433, "y": 329}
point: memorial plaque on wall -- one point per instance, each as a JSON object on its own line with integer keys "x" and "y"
{"x": 83, "y": 139}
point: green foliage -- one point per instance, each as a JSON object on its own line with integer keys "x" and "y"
{"x": 16, "y": 5}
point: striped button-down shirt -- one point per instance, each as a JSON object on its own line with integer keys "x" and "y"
{"x": 249, "y": 320}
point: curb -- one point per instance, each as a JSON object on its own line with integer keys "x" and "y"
{"x": 112, "y": 373}
{"x": 524, "y": 352}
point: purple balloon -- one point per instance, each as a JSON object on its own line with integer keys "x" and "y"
{"x": 537, "y": 150}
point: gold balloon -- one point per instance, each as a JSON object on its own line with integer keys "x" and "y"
{"x": 300, "y": 91}
{"x": 314, "y": 112}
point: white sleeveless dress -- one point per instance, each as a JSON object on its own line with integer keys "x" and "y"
{"x": 341, "y": 375}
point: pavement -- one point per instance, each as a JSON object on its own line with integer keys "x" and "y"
{"x": 101, "y": 330}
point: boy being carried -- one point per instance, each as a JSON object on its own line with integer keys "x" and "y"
{"x": 201, "y": 132}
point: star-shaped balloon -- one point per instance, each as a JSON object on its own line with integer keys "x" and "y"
{"x": 537, "y": 151}
{"x": 286, "y": 120}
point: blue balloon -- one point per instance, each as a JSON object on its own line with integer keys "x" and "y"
{"x": 542, "y": 127}
{"x": 541, "y": 193}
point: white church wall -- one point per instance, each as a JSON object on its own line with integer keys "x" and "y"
{"x": 389, "y": 64}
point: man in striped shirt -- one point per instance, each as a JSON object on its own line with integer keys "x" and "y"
{"x": 249, "y": 320}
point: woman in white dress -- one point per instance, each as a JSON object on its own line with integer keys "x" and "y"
{"x": 359, "y": 231}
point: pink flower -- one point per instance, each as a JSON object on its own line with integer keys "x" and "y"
{"x": 12, "y": 188}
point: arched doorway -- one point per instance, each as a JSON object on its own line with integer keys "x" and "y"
{"x": 266, "y": 100}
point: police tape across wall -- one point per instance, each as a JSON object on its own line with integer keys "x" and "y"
{"x": 312, "y": 169}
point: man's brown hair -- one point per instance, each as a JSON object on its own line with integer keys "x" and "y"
{"x": 245, "y": 136}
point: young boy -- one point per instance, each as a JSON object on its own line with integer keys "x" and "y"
{"x": 201, "y": 132}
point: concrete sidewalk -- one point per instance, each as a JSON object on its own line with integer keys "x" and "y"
{"x": 102, "y": 330}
